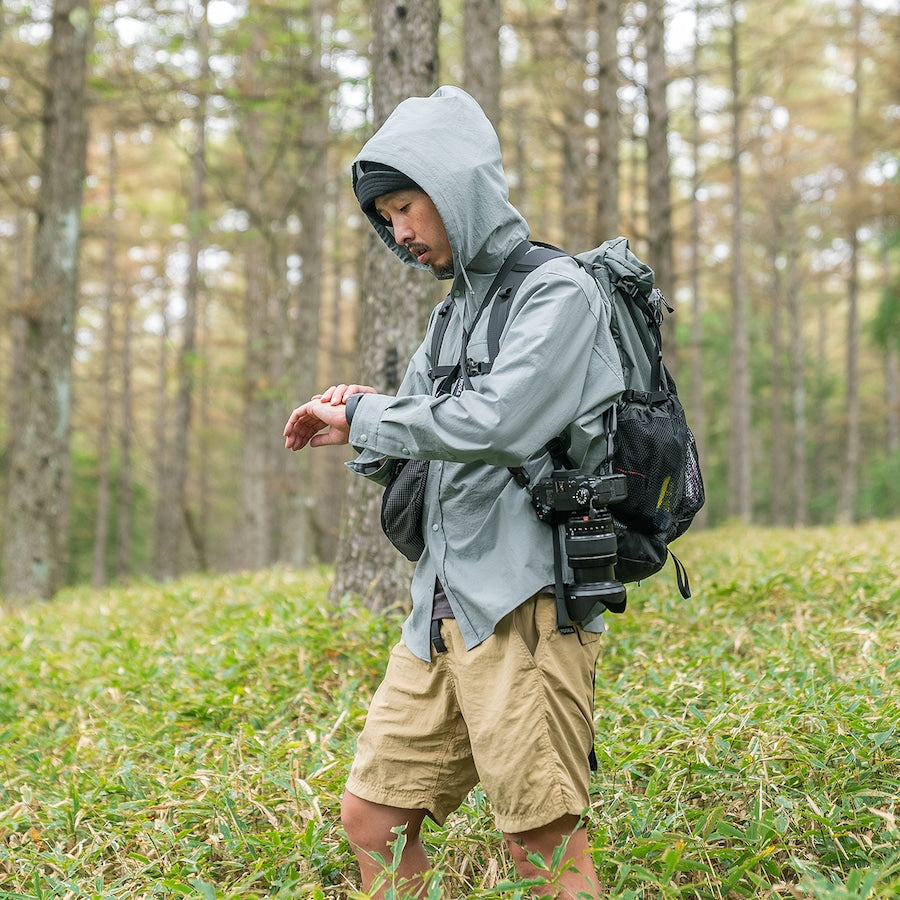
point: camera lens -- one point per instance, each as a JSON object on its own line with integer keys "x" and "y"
{"x": 592, "y": 550}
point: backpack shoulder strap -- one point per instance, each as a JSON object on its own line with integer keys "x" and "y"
{"x": 446, "y": 310}
{"x": 437, "y": 338}
{"x": 535, "y": 255}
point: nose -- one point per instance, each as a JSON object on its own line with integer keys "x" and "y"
{"x": 402, "y": 230}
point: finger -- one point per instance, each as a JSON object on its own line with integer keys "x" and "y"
{"x": 339, "y": 395}
{"x": 297, "y": 415}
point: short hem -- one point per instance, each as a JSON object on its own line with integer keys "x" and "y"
{"x": 510, "y": 825}
{"x": 397, "y": 799}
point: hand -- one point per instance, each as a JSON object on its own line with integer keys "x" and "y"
{"x": 315, "y": 416}
{"x": 338, "y": 394}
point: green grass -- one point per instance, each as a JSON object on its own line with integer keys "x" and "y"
{"x": 192, "y": 739}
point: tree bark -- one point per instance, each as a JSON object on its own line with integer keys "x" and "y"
{"x": 739, "y": 470}
{"x": 849, "y": 476}
{"x": 659, "y": 189}
{"x": 481, "y": 55}
{"x": 176, "y": 512}
{"x": 126, "y": 419}
{"x": 396, "y": 301}
{"x": 777, "y": 445}
{"x": 798, "y": 380}
{"x": 607, "y": 120}
{"x": 37, "y": 494}
{"x": 575, "y": 176}
{"x": 253, "y": 541}
{"x": 698, "y": 407}
{"x": 298, "y": 527}
{"x": 104, "y": 432}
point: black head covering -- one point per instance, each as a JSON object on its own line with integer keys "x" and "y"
{"x": 372, "y": 180}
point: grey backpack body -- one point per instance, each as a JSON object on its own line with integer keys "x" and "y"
{"x": 651, "y": 443}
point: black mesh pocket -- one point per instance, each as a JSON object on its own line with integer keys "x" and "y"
{"x": 402, "y": 504}
{"x": 655, "y": 451}
{"x": 694, "y": 492}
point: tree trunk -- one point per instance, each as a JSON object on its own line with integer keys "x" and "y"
{"x": 849, "y": 476}
{"x": 123, "y": 517}
{"x": 298, "y": 517}
{"x": 607, "y": 120}
{"x": 481, "y": 55}
{"x": 577, "y": 190}
{"x": 37, "y": 491}
{"x": 104, "y": 432}
{"x": 659, "y": 186}
{"x": 254, "y": 532}
{"x": 659, "y": 200}
{"x": 396, "y": 301}
{"x": 177, "y": 512}
{"x": 798, "y": 380}
{"x": 739, "y": 469}
{"x": 777, "y": 445}
{"x": 162, "y": 449}
{"x": 698, "y": 407}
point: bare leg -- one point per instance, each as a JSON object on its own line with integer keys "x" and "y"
{"x": 577, "y": 877}
{"x": 369, "y": 828}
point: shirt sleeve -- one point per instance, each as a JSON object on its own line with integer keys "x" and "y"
{"x": 533, "y": 391}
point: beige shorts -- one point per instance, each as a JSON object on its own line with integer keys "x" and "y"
{"x": 515, "y": 713}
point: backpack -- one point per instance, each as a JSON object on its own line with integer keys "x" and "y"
{"x": 651, "y": 443}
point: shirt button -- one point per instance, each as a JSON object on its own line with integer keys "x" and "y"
{"x": 435, "y": 527}
{"x": 405, "y": 452}
{"x": 363, "y": 438}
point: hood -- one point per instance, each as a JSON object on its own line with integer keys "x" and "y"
{"x": 447, "y": 145}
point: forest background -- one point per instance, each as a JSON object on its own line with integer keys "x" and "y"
{"x": 183, "y": 261}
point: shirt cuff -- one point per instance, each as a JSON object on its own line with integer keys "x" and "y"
{"x": 350, "y": 407}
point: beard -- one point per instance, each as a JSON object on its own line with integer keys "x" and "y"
{"x": 443, "y": 273}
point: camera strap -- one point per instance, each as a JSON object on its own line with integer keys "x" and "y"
{"x": 562, "y": 614}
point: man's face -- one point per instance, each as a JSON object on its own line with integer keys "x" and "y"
{"x": 418, "y": 226}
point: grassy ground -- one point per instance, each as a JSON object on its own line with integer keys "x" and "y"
{"x": 192, "y": 740}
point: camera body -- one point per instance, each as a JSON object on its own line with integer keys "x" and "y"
{"x": 580, "y": 500}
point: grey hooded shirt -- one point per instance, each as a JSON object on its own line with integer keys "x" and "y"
{"x": 557, "y": 370}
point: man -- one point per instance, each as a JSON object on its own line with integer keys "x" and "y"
{"x": 483, "y": 686}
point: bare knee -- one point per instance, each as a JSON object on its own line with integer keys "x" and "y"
{"x": 543, "y": 840}
{"x": 372, "y": 827}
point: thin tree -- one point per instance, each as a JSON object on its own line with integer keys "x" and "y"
{"x": 37, "y": 487}
{"x": 739, "y": 474}
{"x": 395, "y": 302}
{"x": 254, "y": 533}
{"x": 698, "y": 409}
{"x": 174, "y": 499}
{"x": 798, "y": 375}
{"x": 481, "y": 54}
{"x": 297, "y": 523}
{"x": 850, "y": 472}
{"x": 575, "y": 175}
{"x": 607, "y": 216}
{"x": 659, "y": 189}
{"x": 105, "y": 430}
{"x": 126, "y": 428}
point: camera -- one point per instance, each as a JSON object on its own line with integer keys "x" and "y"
{"x": 581, "y": 502}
